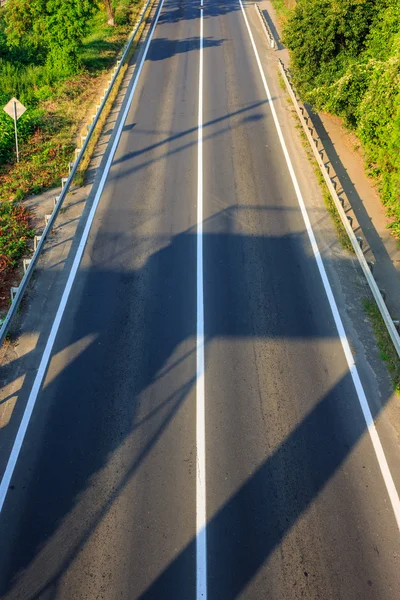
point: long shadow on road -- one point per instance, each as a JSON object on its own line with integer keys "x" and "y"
{"x": 93, "y": 405}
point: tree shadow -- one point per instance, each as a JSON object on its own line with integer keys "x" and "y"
{"x": 255, "y": 116}
{"x": 244, "y": 533}
{"x": 164, "y": 48}
{"x": 98, "y": 54}
{"x": 187, "y": 10}
{"x": 153, "y": 371}
{"x": 94, "y": 403}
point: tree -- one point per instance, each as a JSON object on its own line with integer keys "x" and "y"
{"x": 110, "y": 12}
{"x": 57, "y": 27}
{"x": 345, "y": 59}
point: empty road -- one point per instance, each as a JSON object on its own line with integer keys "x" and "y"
{"x": 198, "y": 432}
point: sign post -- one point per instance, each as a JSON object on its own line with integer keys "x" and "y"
{"x": 15, "y": 110}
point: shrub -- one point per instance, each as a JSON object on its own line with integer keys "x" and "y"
{"x": 345, "y": 57}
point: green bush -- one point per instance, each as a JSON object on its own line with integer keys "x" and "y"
{"x": 345, "y": 59}
{"x": 42, "y": 44}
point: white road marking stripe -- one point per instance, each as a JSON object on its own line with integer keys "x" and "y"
{"x": 12, "y": 461}
{"x": 380, "y": 455}
{"x": 201, "y": 534}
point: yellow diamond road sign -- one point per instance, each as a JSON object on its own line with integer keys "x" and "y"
{"x": 14, "y": 108}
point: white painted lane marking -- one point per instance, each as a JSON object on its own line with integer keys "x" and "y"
{"x": 201, "y": 533}
{"x": 384, "y": 467}
{"x": 12, "y": 461}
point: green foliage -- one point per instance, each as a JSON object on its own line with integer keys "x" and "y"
{"x": 345, "y": 57}
{"x": 14, "y": 234}
{"x": 33, "y": 65}
{"x": 57, "y": 27}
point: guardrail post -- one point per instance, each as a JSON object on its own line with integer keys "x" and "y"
{"x": 350, "y": 220}
{"x": 360, "y": 241}
{"x": 13, "y": 292}
{"x": 36, "y": 240}
{"x": 26, "y": 262}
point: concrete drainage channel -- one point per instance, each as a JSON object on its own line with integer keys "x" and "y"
{"x": 341, "y": 203}
{"x": 29, "y": 264}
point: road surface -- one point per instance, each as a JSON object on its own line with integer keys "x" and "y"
{"x": 118, "y": 471}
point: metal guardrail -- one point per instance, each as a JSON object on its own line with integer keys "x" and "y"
{"x": 356, "y": 242}
{"x": 17, "y": 293}
{"x": 268, "y": 31}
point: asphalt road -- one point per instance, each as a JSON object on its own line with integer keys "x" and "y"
{"x": 103, "y": 496}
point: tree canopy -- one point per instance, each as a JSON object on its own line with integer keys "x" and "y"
{"x": 345, "y": 59}
{"x": 54, "y": 28}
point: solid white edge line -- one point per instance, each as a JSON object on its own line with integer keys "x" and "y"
{"x": 380, "y": 455}
{"x": 12, "y": 461}
{"x": 201, "y": 533}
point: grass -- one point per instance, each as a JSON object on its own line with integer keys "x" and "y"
{"x": 43, "y": 91}
{"x": 282, "y": 84}
{"x": 100, "y": 48}
{"x": 282, "y": 10}
{"x": 14, "y": 234}
{"x": 384, "y": 342}
{"x": 46, "y": 153}
{"x": 53, "y": 126}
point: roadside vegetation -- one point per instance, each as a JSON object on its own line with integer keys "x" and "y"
{"x": 54, "y": 57}
{"x": 345, "y": 60}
